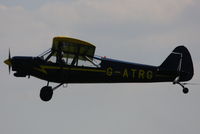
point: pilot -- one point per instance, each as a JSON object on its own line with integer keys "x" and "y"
{"x": 59, "y": 54}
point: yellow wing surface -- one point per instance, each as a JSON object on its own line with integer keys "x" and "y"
{"x": 71, "y": 46}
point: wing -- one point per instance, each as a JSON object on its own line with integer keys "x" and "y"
{"x": 70, "y": 47}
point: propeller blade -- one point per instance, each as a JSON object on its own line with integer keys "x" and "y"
{"x": 9, "y": 68}
{"x": 9, "y": 58}
{"x": 9, "y": 55}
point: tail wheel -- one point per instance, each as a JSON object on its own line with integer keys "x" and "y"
{"x": 185, "y": 90}
{"x": 46, "y": 93}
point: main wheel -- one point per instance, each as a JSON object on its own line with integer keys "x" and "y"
{"x": 46, "y": 93}
{"x": 185, "y": 90}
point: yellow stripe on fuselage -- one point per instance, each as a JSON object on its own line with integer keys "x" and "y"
{"x": 86, "y": 69}
{"x": 43, "y": 69}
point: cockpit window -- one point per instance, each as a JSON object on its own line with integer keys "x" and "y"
{"x": 70, "y": 59}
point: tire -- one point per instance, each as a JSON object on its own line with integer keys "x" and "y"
{"x": 46, "y": 93}
{"x": 185, "y": 90}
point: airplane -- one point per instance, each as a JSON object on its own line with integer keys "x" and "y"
{"x": 71, "y": 60}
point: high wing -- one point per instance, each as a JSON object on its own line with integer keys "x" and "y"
{"x": 71, "y": 47}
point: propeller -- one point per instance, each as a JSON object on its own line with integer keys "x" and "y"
{"x": 9, "y": 61}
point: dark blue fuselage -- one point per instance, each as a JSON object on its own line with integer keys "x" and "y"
{"x": 109, "y": 71}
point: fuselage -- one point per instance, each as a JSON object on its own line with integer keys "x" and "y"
{"x": 108, "y": 71}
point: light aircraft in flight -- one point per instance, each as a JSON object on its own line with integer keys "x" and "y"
{"x": 71, "y": 60}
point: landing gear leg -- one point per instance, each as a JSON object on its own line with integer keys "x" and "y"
{"x": 46, "y": 92}
{"x": 185, "y": 89}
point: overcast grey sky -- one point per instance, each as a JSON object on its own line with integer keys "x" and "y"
{"x": 143, "y": 31}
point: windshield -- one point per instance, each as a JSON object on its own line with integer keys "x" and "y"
{"x": 45, "y": 54}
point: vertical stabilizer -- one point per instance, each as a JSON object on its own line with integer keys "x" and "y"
{"x": 179, "y": 61}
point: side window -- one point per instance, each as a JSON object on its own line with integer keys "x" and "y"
{"x": 68, "y": 61}
{"x": 95, "y": 63}
{"x": 81, "y": 61}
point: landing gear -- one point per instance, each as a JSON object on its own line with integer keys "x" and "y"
{"x": 46, "y": 92}
{"x": 185, "y": 89}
